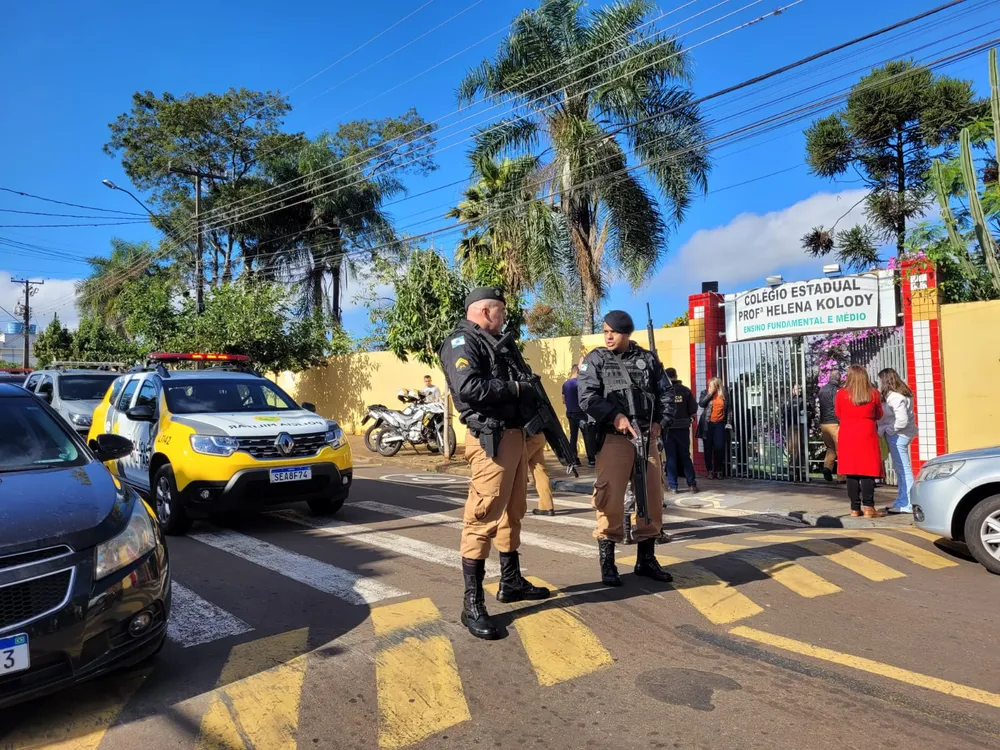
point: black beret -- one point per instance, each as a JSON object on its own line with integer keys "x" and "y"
{"x": 483, "y": 293}
{"x": 619, "y": 321}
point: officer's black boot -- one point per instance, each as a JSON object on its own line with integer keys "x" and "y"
{"x": 474, "y": 615}
{"x": 646, "y": 563}
{"x": 609, "y": 573}
{"x": 513, "y": 586}
{"x": 627, "y": 529}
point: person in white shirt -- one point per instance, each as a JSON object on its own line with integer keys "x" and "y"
{"x": 430, "y": 392}
{"x": 899, "y": 428}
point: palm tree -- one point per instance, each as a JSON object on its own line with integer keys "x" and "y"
{"x": 598, "y": 88}
{"x": 98, "y": 295}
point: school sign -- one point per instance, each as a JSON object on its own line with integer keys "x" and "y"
{"x": 817, "y": 306}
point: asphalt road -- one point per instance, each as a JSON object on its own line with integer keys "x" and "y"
{"x": 294, "y": 631}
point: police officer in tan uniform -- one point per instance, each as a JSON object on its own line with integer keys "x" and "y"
{"x": 493, "y": 404}
{"x": 626, "y": 362}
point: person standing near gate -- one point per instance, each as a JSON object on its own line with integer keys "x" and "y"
{"x": 645, "y": 385}
{"x": 899, "y": 428}
{"x": 859, "y": 409}
{"x": 678, "y": 439}
{"x": 829, "y": 425}
{"x": 713, "y": 426}
{"x": 492, "y": 403}
{"x": 795, "y": 433}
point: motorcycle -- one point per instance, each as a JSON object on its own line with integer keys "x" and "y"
{"x": 419, "y": 423}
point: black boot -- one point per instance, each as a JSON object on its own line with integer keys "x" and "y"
{"x": 646, "y": 563}
{"x": 474, "y": 615}
{"x": 513, "y": 587}
{"x": 609, "y": 573}
{"x": 627, "y": 529}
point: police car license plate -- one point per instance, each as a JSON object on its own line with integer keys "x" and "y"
{"x": 14, "y": 656}
{"x": 290, "y": 475}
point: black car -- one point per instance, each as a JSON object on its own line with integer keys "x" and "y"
{"x": 84, "y": 576}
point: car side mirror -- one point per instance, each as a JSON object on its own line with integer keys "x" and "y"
{"x": 143, "y": 413}
{"x": 45, "y": 396}
{"x": 309, "y": 406}
{"x": 108, "y": 447}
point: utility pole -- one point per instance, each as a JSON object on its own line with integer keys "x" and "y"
{"x": 199, "y": 257}
{"x": 29, "y": 291}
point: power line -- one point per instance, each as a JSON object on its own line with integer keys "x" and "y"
{"x": 46, "y": 213}
{"x": 50, "y": 226}
{"x": 65, "y": 203}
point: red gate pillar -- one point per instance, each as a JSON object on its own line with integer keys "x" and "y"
{"x": 921, "y": 318}
{"x": 706, "y": 333}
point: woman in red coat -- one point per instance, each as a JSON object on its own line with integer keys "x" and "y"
{"x": 859, "y": 454}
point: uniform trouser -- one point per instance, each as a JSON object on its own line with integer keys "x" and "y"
{"x": 535, "y": 448}
{"x": 614, "y": 469}
{"x": 497, "y": 496}
{"x": 830, "y": 434}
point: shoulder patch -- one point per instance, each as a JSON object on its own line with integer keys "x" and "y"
{"x": 457, "y": 342}
{"x": 584, "y": 367}
{"x": 462, "y": 363}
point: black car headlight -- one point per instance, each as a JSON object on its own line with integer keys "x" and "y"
{"x": 136, "y": 540}
{"x": 80, "y": 420}
{"x": 334, "y": 435}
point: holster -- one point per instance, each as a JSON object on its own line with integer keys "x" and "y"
{"x": 490, "y": 433}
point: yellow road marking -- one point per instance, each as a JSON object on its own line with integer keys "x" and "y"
{"x": 911, "y": 552}
{"x": 709, "y": 594}
{"x": 789, "y": 574}
{"x": 419, "y": 689}
{"x": 91, "y": 711}
{"x": 922, "y": 534}
{"x": 868, "y": 665}
{"x": 871, "y": 569}
{"x": 558, "y": 645}
{"x": 256, "y": 702}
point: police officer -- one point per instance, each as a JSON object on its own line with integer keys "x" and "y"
{"x": 493, "y": 404}
{"x": 653, "y": 397}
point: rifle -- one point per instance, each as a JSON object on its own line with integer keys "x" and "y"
{"x": 623, "y": 383}
{"x": 542, "y": 417}
{"x": 652, "y": 347}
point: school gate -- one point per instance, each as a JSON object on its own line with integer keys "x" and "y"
{"x": 769, "y": 346}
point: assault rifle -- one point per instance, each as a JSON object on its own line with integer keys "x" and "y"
{"x": 542, "y": 417}
{"x": 622, "y": 383}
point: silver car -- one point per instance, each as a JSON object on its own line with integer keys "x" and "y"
{"x": 73, "y": 393}
{"x": 958, "y": 496}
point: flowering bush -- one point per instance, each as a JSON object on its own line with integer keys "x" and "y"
{"x": 833, "y": 352}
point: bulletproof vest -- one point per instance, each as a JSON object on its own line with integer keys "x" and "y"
{"x": 620, "y": 374}
{"x": 478, "y": 347}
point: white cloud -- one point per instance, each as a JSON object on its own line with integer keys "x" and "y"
{"x": 357, "y": 287}
{"x": 54, "y": 296}
{"x": 751, "y": 246}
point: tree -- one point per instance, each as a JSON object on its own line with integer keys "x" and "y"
{"x": 896, "y": 119}
{"x": 53, "y": 344}
{"x": 95, "y": 341}
{"x": 597, "y": 88}
{"x": 98, "y": 295}
{"x": 680, "y": 321}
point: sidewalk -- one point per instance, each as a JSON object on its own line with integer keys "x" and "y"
{"x": 815, "y": 504}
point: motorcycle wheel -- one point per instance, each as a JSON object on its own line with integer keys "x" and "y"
{"x": 371, "y": 437}
{"x": 385, "y": 448}
{"x": 452, "y": 440}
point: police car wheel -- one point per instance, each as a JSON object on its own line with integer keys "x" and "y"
{"x": 326, "y": 506}
{"x": 170, "y": 513}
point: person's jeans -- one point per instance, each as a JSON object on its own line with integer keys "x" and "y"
{"x": 899, "y": 449}
{"x": 861, "y": 490}
{"x": 715, "y": 442}
{"x": 678, "y": 449}
{"x": 576, "y": 420}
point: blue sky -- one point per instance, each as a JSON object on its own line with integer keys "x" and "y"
{"x": 71, "y": 68}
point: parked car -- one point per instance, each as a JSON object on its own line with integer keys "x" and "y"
{"x": 74, "y": 389}
{"x": 15, "y": 376}
{"x": 958, "y": 496}
{"x": 84, "y": 576}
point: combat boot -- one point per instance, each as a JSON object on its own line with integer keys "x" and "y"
{"x": 474, "y": 614}
{"x": 646, "y": 563}
{"x": 609, "y": 573}
{"x": 513, "y": 586}
{"x": 627, "y": 530}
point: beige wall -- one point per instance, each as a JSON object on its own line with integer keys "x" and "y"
{"x": 970, "y": 343}
{"x": 344, "y": 388}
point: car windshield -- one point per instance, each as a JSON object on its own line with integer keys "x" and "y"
{"x": 84, "y": 387}
{"x": 218, "y": 396}
{"x": 32, "y": 438}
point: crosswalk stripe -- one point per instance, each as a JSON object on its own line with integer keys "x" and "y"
{"x": 194, "y": 621}
{"x": 329, "y": 579}
{"x": 922, "y": 534}
{"x": 789, "y": 574}
{"x": 400, "y": 545}
{"x": 709, "y": 594}
{"x": 564, "y": 520}
{"x": 528, "y": 538}
{"x": 558, "y": 644}
{"x": 419, "y": 689}
{"x": 256, "y": 703}
{"x": 667, "y": 518}
{"x": 911, "y": 552}
{"x": 864, "y": 566}
{"x": 80, "y": 723}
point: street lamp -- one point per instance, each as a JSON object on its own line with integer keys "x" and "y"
{"x": 112, "y": 186}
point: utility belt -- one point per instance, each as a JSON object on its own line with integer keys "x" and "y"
{"x": 609, "y": 429}
{"x": 489, "y": 431}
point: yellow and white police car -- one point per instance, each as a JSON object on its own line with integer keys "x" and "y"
{"x": 220, "y": 439}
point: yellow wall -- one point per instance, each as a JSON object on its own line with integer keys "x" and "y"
{"x": 343, "y": 389}
{"x": 970, "y": 343}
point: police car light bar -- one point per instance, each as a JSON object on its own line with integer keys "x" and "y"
{"x": 196, "y": 357}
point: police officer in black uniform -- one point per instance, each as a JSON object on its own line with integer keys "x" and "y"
{"x": 493, "y": 404}
{"x": 653, "y": 398}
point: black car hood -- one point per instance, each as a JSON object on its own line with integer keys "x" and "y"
{"x": 80, "y": 506}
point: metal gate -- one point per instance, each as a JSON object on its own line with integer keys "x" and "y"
{"x": 774, "y": 386}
